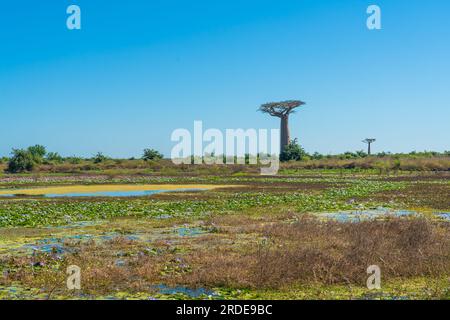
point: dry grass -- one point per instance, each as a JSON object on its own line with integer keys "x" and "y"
{"x": 328, "y": 253}
{"x": 101, "y": 272}
{"x": 383, "y": 164}
{"x": 249, "y": 253}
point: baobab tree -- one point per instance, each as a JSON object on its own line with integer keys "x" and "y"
{"x": 282, "y": 110}
{"x": 369, "y": 141}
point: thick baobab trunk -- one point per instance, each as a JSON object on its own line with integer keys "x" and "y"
{"x": 368, "y": 149}
{"x": 284, "y": 136}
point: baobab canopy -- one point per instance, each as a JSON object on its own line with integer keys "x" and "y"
{"x": 282, "y": 110}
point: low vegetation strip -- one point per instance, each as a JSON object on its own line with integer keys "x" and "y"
{"x": 50, "y": 212}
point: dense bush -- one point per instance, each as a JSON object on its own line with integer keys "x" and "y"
{"x": 21, "y": 160}
{"x": 293, "y": 151}
{"x": 37, "y": 152}
{"x": 151, "y": 154}
{"x": 99, "y": 157}
{"x": 74, "y": 160}
{"x": 54, "y": 157}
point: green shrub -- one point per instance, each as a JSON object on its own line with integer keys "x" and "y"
{"x": 99, "y": 157}
{"x": 74, "y": 160}
{"x": 151, "y": 154}
{"x": 361, "y": 154}
{"x": 293, "y": 151}
{"x": 37, "y": 152}
{"x": 54, "y": 157}
{"x": 317, "y": 156}
{"x": 21, "y": 161}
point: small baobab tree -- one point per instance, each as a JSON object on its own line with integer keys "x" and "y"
{"x": 282, "y": 110}
{"x": 369, "y": 141}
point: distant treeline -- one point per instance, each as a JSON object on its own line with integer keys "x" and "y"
{"x": 25, "y": 160}
{"x": 37, "y": 159}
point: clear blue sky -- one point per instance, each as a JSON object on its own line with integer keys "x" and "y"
{"x": 139, "y": 69}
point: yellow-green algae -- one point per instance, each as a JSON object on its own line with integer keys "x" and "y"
{"x": 107, "y": 187}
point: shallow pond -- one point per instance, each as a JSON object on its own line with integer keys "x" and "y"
{"x": 102, "y": 190}
{"x": 190, "y": 231}
{"x": 190, "y": 292}
{"x": 374, "y": 214}
{"x": 136, "y": 193}
{"x": 67, "y": 239}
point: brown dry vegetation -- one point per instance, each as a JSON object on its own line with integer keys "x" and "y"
{"x": 252, "y": 253}
{"x": 331, "y": 253}
{"x": 384, "y": 164}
